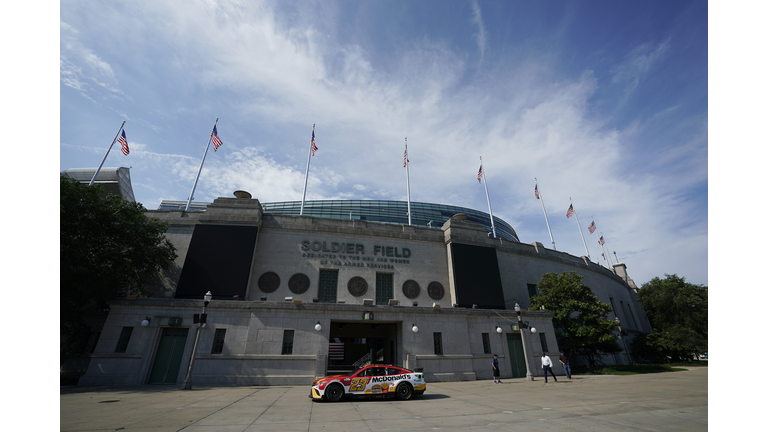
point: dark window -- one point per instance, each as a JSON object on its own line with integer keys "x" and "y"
{"x": 393, "y": 371}
{"x": 486, "y": 343}
{"x": 383, "y": 288}
{"x": 532, "y": 290}
{"x": 92, "y": 341}
{"x": 438, "y": 343}
{"x": 326, "y": 292}
{"x": 631, "y": 315}
{"x": 544, "y": 347}
{"x": 125, "y": 336}
{"x": 287, "y": 342}
{"x": 218, "y": 341}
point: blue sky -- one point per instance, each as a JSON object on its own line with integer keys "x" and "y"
{"x": 604, "y": 102}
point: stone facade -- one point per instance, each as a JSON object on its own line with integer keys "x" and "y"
{"x": 253, "y": 326}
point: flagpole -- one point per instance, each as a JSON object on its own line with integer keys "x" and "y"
{"x": 493, "y": 227}
{"x": 306, "y": 176}
{"x": 545, "y": 214}
{"x": 606, "y": 248}
{"x": 192, "y": 194}
{"x": 408, "y": 180}
{"x": 580, "y": 232}
{"x": 602, "y": 246}
{"x": 107, "y": 154}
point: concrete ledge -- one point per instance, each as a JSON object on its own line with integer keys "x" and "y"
{"x": 450, "y": 377}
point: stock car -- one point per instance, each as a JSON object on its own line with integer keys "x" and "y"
{"x": 372, "y": 381}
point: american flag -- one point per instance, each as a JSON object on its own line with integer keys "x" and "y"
{"x": 405, "y": 158}
{"x": 569, "y": 213}
{"x": 601, "y": 241}
{"x": 480, "y": 175}
{"x": 314, "y": 147}
{"x": 536, "y": 191}
{"x": 592, "y": 227}
{"x": 124, "y": 143}
{"x": 215, "y": 137}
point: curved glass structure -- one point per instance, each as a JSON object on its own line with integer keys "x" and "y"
{"x": 393, "y": 212}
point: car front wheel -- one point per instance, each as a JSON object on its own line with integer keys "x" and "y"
{"x": 334, "y": 392}
{"x": 404, "y": 391}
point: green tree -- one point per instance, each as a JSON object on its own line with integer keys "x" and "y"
{"x": 677, "y": 311}
{"x": 580, "y": 319}
{"x": 109, "y": 248}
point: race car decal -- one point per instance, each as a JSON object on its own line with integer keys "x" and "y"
{"x": 387, "y": 378}
{"x": 380, "y": 388}
{"x": 358, "y": 384}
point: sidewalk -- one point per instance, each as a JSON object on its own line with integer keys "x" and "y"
{"x": 672, "y": 401}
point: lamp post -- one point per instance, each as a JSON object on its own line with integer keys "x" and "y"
{"x": 187, "y": 384}
{"x": 618, "y": 324}
{"x": 528, "y": 375}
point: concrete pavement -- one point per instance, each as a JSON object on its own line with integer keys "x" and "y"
{"x": 671, "y": 401}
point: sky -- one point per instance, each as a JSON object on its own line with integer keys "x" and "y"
{"x": 605, "y": 103}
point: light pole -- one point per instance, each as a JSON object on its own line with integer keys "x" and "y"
{"x": 621, "y": 333}
{"x": 203, "y": 318}
{"x": 520, "y": 325}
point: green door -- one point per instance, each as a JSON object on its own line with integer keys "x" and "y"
{"x": 516, "y": 356}
{"x": 168, "y": 357}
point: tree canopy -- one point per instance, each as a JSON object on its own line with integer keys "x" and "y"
{"x": 580, "y": 319}
{"x": 677, "y": 311}
{"x": 109, "y": 248}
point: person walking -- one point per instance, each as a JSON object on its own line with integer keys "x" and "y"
{"x": 546, "y": 364}
{"x": 566, "y": 365}
{"x": 496, "y": 374}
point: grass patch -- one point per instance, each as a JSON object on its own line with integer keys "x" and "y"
{"x": 632, "y": 369}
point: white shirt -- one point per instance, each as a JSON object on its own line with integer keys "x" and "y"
{"x": 546, "y": 361}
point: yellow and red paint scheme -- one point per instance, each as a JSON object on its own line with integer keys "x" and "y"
{"x": 381, "y": 381}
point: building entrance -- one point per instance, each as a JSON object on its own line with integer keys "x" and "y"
{"x": 356, "y": 343}
{"x": 516, "y": 356}
{"x": 168, "y": 357}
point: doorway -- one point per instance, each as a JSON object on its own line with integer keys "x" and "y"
{"x": 353, "y": 344}
{"x": 165, "y": 370}
{"x": 516, "y": 355}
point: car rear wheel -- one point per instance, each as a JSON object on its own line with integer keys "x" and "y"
{"x": 404, "y": 391}
{"x": 334, "y": 392}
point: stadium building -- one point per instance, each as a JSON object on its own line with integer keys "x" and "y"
{"x": 349, "y": 282}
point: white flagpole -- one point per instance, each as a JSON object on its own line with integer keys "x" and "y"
{"x": 192, "y": 194}
{"x": 607, "y": 260}
{"x": 306, "y": 176}
{"x": 493, "y": 227}
{"x": 541, "y": 197}
{"x": 107, "y": 154}
{"x": 606, "y": 248}
{"x": 580, "y": 232}
{"x": 407, "y": 179}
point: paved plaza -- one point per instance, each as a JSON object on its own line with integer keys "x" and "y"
{"x": 672, "y": 401}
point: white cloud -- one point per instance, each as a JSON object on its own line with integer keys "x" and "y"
{"x": 524, "y": 119}
{"x": 638, "y": 63}
{"x": 477, "y": 18}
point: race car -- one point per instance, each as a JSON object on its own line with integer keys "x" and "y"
{"x": 373, "y": 381}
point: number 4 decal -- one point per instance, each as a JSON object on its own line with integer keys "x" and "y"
{"x": 358, "y": 384}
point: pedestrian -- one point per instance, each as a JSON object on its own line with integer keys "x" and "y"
{"x": 495, "y": 364}
{"x": 546, "y": 364}
{"x": 566, "y": 365}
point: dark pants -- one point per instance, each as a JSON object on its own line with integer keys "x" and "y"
{"x": 548, "y": 369}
